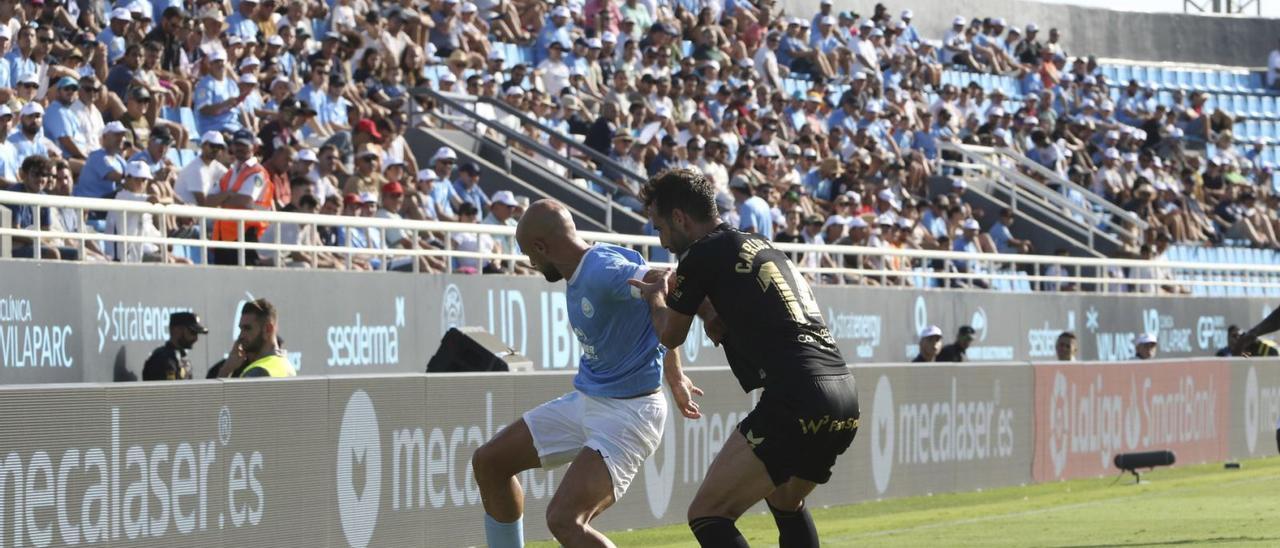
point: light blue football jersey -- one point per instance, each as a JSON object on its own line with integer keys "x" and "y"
{"x": 621, "y": 355}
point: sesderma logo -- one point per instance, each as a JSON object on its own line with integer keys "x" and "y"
{"x": 359, "y": 450}
{"x": 366, "y": 344}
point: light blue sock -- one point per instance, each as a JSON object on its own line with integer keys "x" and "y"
{"x": 503, "y": 535}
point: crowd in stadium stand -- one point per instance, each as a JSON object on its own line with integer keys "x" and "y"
{"x": 303, "y": 106}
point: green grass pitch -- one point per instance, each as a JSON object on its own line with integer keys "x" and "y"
{"x": 1193, "y": 505}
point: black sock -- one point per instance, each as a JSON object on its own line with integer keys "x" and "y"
{"x": 717, "y": 532}
{"x": 795, "y": 529}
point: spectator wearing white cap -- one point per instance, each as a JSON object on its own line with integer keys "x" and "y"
{"x": 909, "y": 33}
{"x": 558, "y": 30}
{"x": 216, "y": 96}
{"x": 29, "y": 138}
{"x": 241, "y": 23}
{"x": 118, "y": 22}
{"x": 930, "y": 345}
{"x": 443, "y": 193}
{"x": 197, "y": 178}
{"x": 8, "y": 152}
{"x": 1145, "y": 346}
{"x": 957, "y": 47}
{"x": 63, "y": 126}
{"x": 137, "y": 179}
{"x": 967, "y": 241}
{"x": 794, "y": 52}
{"x": 824, "y": 11}
{"x": 104, "y": 167}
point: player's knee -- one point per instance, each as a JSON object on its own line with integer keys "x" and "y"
{"x": 486, "y": 464}
{"x": 565, "y": 523}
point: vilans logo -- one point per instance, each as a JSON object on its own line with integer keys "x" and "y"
{"x": 359, "y": 470}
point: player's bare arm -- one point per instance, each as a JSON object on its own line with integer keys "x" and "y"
{"x": 672, "y": 326}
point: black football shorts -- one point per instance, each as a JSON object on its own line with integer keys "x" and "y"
{"x": 800, "y": 426}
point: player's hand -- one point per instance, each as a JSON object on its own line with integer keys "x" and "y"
{"x": 651, "y": 289}
{"x": 683, "y": 390}
{"x": 233, "y": 362}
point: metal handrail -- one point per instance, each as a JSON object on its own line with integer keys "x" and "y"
{"x": 988, "y": 267}
{"x": 596, "y": 156}
{"x": 454, "y": 101}
{"x": 1020, "y": 182}
{"x": 1093, "y": 199}
{"x": 606, "y": 198}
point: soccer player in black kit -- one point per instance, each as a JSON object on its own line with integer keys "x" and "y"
{"x": 763, "y": 313}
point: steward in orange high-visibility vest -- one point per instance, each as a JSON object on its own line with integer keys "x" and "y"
{"x": 244, "y": 186}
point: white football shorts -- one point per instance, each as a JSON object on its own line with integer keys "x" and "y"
{"x": 624, "y": 431}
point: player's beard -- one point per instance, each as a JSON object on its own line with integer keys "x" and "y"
{"x": 551, "y": 273}
{"x": 254, "y": 346}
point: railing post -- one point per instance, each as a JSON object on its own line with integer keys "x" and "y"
{"x": 164, "y": 247}
{"x": 122, "y": 248}
{"x": 448, "y": 256}
{"x": 608, "y": 210}
{"x": 412, "y": 246}
{"x": 36, "y": 250}
{"x": 80, "y": 231}
{"x": 277, "y": 237}
{"x": 6, "y": 241}
{"x": 240, "y": 239}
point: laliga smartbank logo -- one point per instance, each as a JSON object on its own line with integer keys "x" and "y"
{"x": 120, "y": 492}
{"x": 1094, "y": 417}
{"x": 937, "y": 430}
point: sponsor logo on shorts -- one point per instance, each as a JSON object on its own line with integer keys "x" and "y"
{"x": 825, "y": 424}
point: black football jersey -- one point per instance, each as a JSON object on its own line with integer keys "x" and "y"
{"x": 774, "y": 326}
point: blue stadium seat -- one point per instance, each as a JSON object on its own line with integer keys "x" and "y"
{"x": 1138, "y": 73}
{"x": 1111, "y": 72}
{"x": 1241, "y": 82}
{"x": 1169, "y": 78}
{"x": 1256, "y": 81}
{"x": 1254, "y": 106}
{"x": 686, "y": 48}
{"x": 1124, "y": 73}
{"x": 187, "y": 118}
{"x": 1199, "y": 79}
{"x": 174, "y": 156}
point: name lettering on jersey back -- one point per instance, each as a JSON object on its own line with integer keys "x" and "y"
{"x": 747, "y": 255}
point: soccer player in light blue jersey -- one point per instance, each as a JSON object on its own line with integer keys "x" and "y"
{"x": 613, "y": 419}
